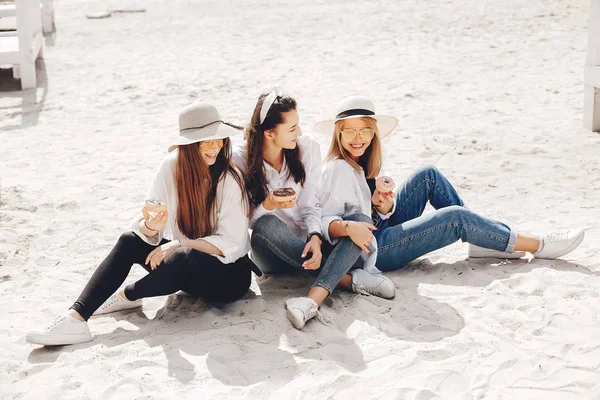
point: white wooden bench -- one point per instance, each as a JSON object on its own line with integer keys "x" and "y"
{"x": 22, "y": 47}
{"x": 8, "y": 9}
{"x": 591, "y": 110}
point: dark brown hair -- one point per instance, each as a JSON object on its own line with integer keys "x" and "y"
{"x": 196, "y": 184}
{"x": 256, "y": 182}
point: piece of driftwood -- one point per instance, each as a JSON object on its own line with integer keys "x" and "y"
{"x": 109, "y": 13}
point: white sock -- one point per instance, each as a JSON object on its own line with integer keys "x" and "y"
{"x": 541, "y": 246}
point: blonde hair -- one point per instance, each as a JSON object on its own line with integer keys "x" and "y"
{"x": 371, "y": 161}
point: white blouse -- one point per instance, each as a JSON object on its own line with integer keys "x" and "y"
{"x": 344, "y": 192}
{"x": 305, "y": 216}
{"x": 231, "y": 234}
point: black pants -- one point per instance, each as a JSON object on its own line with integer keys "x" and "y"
{"x": 186, "y": 269}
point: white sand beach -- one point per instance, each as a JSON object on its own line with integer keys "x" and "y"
{"x": 490, "y": 92}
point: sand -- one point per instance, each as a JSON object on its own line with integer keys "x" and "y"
{"x": 490, "y": 92}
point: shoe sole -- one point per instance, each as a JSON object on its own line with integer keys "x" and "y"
{"x": 569, "y": 249}
{"x": 292, "y": 318}
{"x": 496, "y": 254}
{"x": 96, "y": 313}
{"x": 56, "y": 340}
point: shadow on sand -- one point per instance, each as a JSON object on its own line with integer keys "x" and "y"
{"x": 236, "y": 344}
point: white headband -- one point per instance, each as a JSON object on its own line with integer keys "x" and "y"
{"x": 269, "y": 100}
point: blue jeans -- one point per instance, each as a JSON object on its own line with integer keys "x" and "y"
{"x": 407, "y": 234}
{"x": 276, "y": 249}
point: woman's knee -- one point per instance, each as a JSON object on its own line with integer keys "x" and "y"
{"x": 269, "y": 230}
{"x": 430, "y": 171}
{"x": 265, "y": 224}
{"x": 258, "y": 238}
{"x": 359, "y": 217}
{"x": 129, "y": 239}
{"x": 457, "y": 214}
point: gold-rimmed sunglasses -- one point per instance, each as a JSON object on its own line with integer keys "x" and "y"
{"x": 366, "y": 134}
{"x": 209, "y": 144}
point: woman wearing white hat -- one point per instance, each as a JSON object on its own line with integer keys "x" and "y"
{"x": 401, "y": 230}
{"x": 199, "y": 244}
{"x": 287, "y": 232}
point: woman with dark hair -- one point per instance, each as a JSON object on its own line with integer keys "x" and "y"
{"x": 287, "y": 232}
{"x": 198, "y": 242}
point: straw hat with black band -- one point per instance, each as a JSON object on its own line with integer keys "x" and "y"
{"x": 199, "y": 122}
{"x": 358, "y": 107}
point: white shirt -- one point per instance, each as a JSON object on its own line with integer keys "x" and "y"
{"x": 345, "y": 191}
{"x": 305, "y": 216}
{"x": 231, "y": 234}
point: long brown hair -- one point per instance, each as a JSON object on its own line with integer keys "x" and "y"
{"x": 256, "y": 181}
{"x": 371, "y": 161}
{"x": 197, "y": 189}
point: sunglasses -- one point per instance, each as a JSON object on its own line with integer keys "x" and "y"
{"x": 366, "y": 134}
{"x": 209, "y": 144}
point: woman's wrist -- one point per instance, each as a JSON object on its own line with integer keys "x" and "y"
{"x": 268, "y": 204}
{"x": 146, "y": 230}
{"x": 316, "y": 236}
{"x": 387, "y": 209}
{"x": 347, "y": 226}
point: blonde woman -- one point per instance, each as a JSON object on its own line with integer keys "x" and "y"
{"x": 197, "y": 244}
{"x": 396, "y": 221}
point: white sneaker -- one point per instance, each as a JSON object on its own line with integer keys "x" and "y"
{"x": 377, "y": 285}
{"x": 117, "y": 303}
{"x": 300, "y": 310}
{"x": 556, "y": 244}
{"x": 482, "y": 252}
{"x": 64, "y": 329}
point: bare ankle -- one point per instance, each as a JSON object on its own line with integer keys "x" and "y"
{"x": 76, "y": 315}
{"x": 122, "y": 294}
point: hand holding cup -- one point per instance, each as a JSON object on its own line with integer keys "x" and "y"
{"x": 155, "y": 214}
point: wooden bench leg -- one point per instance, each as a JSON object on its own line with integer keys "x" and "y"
{"x": 28, "y": 78}
{"x": 17, "y": 71}
{"x": 591, "y": 108}
{"x": 47, "y": 16}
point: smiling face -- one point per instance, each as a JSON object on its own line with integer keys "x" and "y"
{"x": 285, "y": 134}
{"x": 359, "y": 144}
{"x": 210, "y": 149}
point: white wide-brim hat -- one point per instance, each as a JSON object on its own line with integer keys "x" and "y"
{"x": 199, "y": 122}
{"x": 358, "y": 107}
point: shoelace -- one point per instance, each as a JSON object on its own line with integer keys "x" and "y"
{"x": 315, "y": 312}
{"x": 311, "y": 312}
{"x": 57, "y": 320}
{"x": 109, "y": 303}
{"x": 555, "y": 237}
